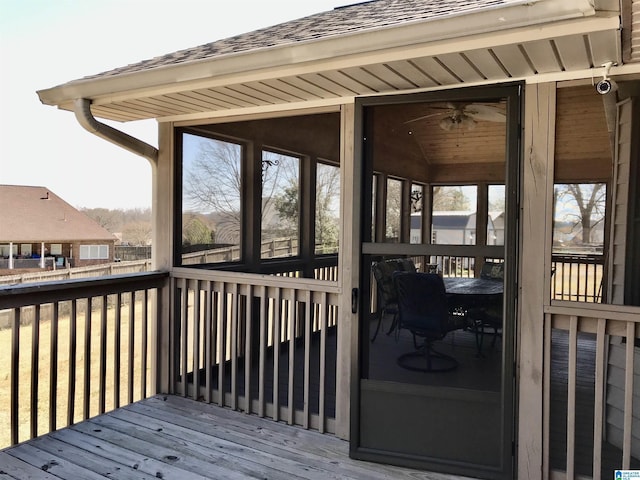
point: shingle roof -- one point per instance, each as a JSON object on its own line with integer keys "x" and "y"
{"x": 374, "y": 14}
{"x": 36, "y": 214}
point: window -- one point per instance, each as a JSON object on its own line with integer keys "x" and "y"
{"x": 453, "y": 219}
{"x": 280, "y": 205}
{"x": 56, "y": 249}
{"x": 578, "y": 241}
{"x": 327, "y": 224}
{"x": 417, "y": 197}
{"x": 211, "y": 200}
{"x": 25, "y": 249}
{"x": 495, "y": 217}
{"x": 94, "y": 252}
{"x": 393, "y": 209}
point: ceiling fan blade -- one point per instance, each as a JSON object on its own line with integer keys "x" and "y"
{"x": 487, "y": 113}
{"x": 426, "y": 116}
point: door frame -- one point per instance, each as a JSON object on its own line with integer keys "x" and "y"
{"x": 514, "y": 94}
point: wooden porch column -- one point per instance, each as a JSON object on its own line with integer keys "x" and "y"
{"x": 535, "y": 257}
{"x": 42, "y": 262}
{"x": 10, "y": 255}
{"x": 348, "y": 266}
{"x": 163, "y": 214}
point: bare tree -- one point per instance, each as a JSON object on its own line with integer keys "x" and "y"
{"x": 581, "y": 204}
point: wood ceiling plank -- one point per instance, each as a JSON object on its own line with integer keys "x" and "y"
{"x": 238, "y": 96}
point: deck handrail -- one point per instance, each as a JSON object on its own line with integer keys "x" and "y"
{"x": 76, "y": 315}
{"x": 598, "y": 357}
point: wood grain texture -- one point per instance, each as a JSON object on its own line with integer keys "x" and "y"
{"x": 171, "y": 437}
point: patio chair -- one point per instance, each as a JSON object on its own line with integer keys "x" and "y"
{"x": 387, "y": 303}
{"x": 423, "y": 310}
{"x": 483, "y": 318}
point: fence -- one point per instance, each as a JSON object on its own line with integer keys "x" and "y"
{"x": 117, "y": 268}
{"x": 577, "y": 278}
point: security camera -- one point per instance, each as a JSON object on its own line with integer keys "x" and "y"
{"x": 605, "y": 86}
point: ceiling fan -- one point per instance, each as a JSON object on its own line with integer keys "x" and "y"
{"x": 464, "y": 115}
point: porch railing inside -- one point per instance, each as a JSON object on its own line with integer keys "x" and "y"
{"x": 78, "y": 348}
{"x": 266, "y": 345}
{"x": 591, "y": 401}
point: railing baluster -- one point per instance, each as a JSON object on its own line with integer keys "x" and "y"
{"x": 15, "y": 374}
{"x": 571, "y": 396}
{"x": 102, "y": 395}
{"x": 308, "y": 319}
{"x": 144, "y": 347}
{"x": 292, "y": 316}
{"x": 546, "y": 395}
{"x": 248, "y": 347}
{"x": 208, "y": 341}
{"x": 323, "y": 361}
{"x": 196, "y": 340}
{"x": 276, "y": 353}
{"x": 628, "y": 396}
{"x": 233, "y": 338}
{"x": 132, "y": 343}
{"x": 184, "y": 330}
{"x": 264, "y": 306}
{"x": 71, "y": 393}
{"x": 599, "y": 390}
{"x": 35, "y": 357}
{"x": 116, "y": 351}
{"x": 53, "y": 368}
{"x": 87, "y": 360}
{"x": 222, "y": 342}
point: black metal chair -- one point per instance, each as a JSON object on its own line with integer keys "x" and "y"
{"x": 423, "y": 310}
{"x": 485, "y": 317}
{"x": 387, "y": 301}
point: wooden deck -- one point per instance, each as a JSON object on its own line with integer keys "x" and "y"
{"x": 172, "y": 437}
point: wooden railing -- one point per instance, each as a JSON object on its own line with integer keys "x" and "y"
{"x": 263, "y": 344}
{"x": 589, "y": 400}
{"x": 78, "y": 348}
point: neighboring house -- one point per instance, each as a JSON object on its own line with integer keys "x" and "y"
{"x": 401, "y": 93}
{"x": 38, "y": 229}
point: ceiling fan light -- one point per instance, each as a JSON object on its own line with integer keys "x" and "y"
{"x": 447, "y": 124}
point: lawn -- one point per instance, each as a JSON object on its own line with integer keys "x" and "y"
{"x": 63, "y": 367}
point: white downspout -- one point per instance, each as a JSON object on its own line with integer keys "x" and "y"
{"x": 82, "y": 109}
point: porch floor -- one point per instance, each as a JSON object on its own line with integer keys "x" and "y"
{"x": 174, "y": 437}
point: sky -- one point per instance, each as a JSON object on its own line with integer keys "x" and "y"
{"x": 44, "y": 43}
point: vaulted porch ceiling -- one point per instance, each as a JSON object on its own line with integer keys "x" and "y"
{"x": 490, "y": 46}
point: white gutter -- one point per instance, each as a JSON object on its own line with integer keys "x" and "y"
{"x": 513, "y": 15}
{"x": 82, "y": 109}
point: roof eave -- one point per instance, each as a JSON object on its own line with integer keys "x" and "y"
{"x": 532, "y": 13}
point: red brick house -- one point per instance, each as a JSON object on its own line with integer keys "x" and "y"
{"x": 34, "y": 219}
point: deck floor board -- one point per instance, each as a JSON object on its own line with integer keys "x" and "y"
{"x": 171, "y": 437}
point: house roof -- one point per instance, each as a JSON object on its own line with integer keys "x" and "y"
{"x": 36, "y": 214}
{"x": 381, "y": 46}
